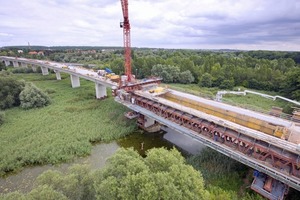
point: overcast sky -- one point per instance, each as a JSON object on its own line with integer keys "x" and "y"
{"x": 193, "y": 24}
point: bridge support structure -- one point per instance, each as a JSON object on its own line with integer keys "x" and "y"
{"x": 7, "y": 63}
{"x": 148, "y": 121}
{"x": 15, "y": 64}
{"x": 57, "y": 73}
{"x": 33, "y": 68}
{"x": 44, "y": 70}
{"x": 24, "y": 64}
{"x": 148, "y": 124}
{"x": 100, "y": 91}
{"x": 75, "y": 81}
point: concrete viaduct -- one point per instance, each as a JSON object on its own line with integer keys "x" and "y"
{"x": 101, "y": 83}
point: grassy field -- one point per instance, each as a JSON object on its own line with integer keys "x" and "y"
{"x": 61, "y": 131}
{"x": 219, "y": 170}
{"x": 250, "y": 101}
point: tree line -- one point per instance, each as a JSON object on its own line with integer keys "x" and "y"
{"x": 261, "y": 70}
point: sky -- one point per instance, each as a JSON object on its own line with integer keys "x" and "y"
{"x": 182, "y": 24}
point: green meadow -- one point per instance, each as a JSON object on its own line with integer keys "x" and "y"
{"x": 65, "y": 129}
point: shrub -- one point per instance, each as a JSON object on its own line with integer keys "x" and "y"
{"x": 2, "y": 66}
{"x": 22, "y": 70}
{"x": 9, "y": 91}
{"x": 33, "y": 97}
{"x": 227, "y": 84}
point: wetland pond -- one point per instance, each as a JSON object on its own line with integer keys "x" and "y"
{"x": 139, "y": 140}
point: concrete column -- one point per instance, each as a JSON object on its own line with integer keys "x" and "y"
{"x": 24, "y": 64}
{"x": 15, "y": 63}
{"x": 148, "y": 121}
{"x": 57, "y": 73}
{"x": 75, "y": 81}
{"x": 100, "y": 91}
{"x": 44, "y": 70}
{"x": 33, "y": 68}
{"x": 7, "y": 63}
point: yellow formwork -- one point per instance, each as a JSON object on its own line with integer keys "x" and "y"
{"x": 244, "y": 120}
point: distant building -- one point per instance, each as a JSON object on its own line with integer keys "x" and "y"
{"x": 20, "y": 51}
{"x": 40, "y": 53}
{"x": 32, "y": 53}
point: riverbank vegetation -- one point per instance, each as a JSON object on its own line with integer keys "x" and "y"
{"x": 223, "y": 175}
{"x": 61, "y": 131}
{"x": 127, "y": 175}
{"x": 162, "y": 174}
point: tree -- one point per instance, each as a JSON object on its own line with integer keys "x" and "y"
{"x": 291, "y": 84}
{"x": 186, "y": 77}
{"x": 13, "y": 196}
{"x": 32, "y": 97}
{"x": 77, "y": 184}
{"x": 169, "y": 73}
{"x": 162, "y": 174}
{"x": 205, "y": 80}
{"x": 45, "y": 192}
{"x": 9, "y": 91}
{"x": 2, "y": 66}
{"x": 227, "y": 84}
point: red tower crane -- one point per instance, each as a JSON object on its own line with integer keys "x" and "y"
{"x": 126, "y": 37}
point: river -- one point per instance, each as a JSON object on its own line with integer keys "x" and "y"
{"x": 140, "y": 141}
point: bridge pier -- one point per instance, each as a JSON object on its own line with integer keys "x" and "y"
{"x": 24, "y": 64}
{"x": 148, "y": 121}
{"x": 7, "y": 63}
{"x": 44, "y": 70}
{"x": 148, "y": 124}
{"x": 15, "y": 63}
{"x": 57, "y": 73}
{"x": 100, "y": 91}
{"x": 33, "y": 68}
{"x": 75, "y": 81}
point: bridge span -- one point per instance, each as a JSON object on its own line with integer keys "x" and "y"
{"x": 253, "y": 148}
{"x": 76, "y": 72}
{"x": 266, "y": 143}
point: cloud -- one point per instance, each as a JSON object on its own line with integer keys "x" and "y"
{"x": 268, "y": 24}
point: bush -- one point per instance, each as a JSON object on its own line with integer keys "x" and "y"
{"x": 2, "y": 115}
{"x": 33, "y": 97}
{"x": 9, "y": 91}
{"x": 227, "y": 84}
{"x": 2, "y": 66}
{"x": 22, "y": 70}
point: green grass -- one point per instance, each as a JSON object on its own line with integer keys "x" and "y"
{"x": 250, "y": 101}
{"x": 220, "y": 171}
{"x": 61, "y": 131}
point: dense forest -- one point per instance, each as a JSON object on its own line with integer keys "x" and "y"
{"x": 262, "y": 70}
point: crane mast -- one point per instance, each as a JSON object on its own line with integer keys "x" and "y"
{"x": 126, "y": 37}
